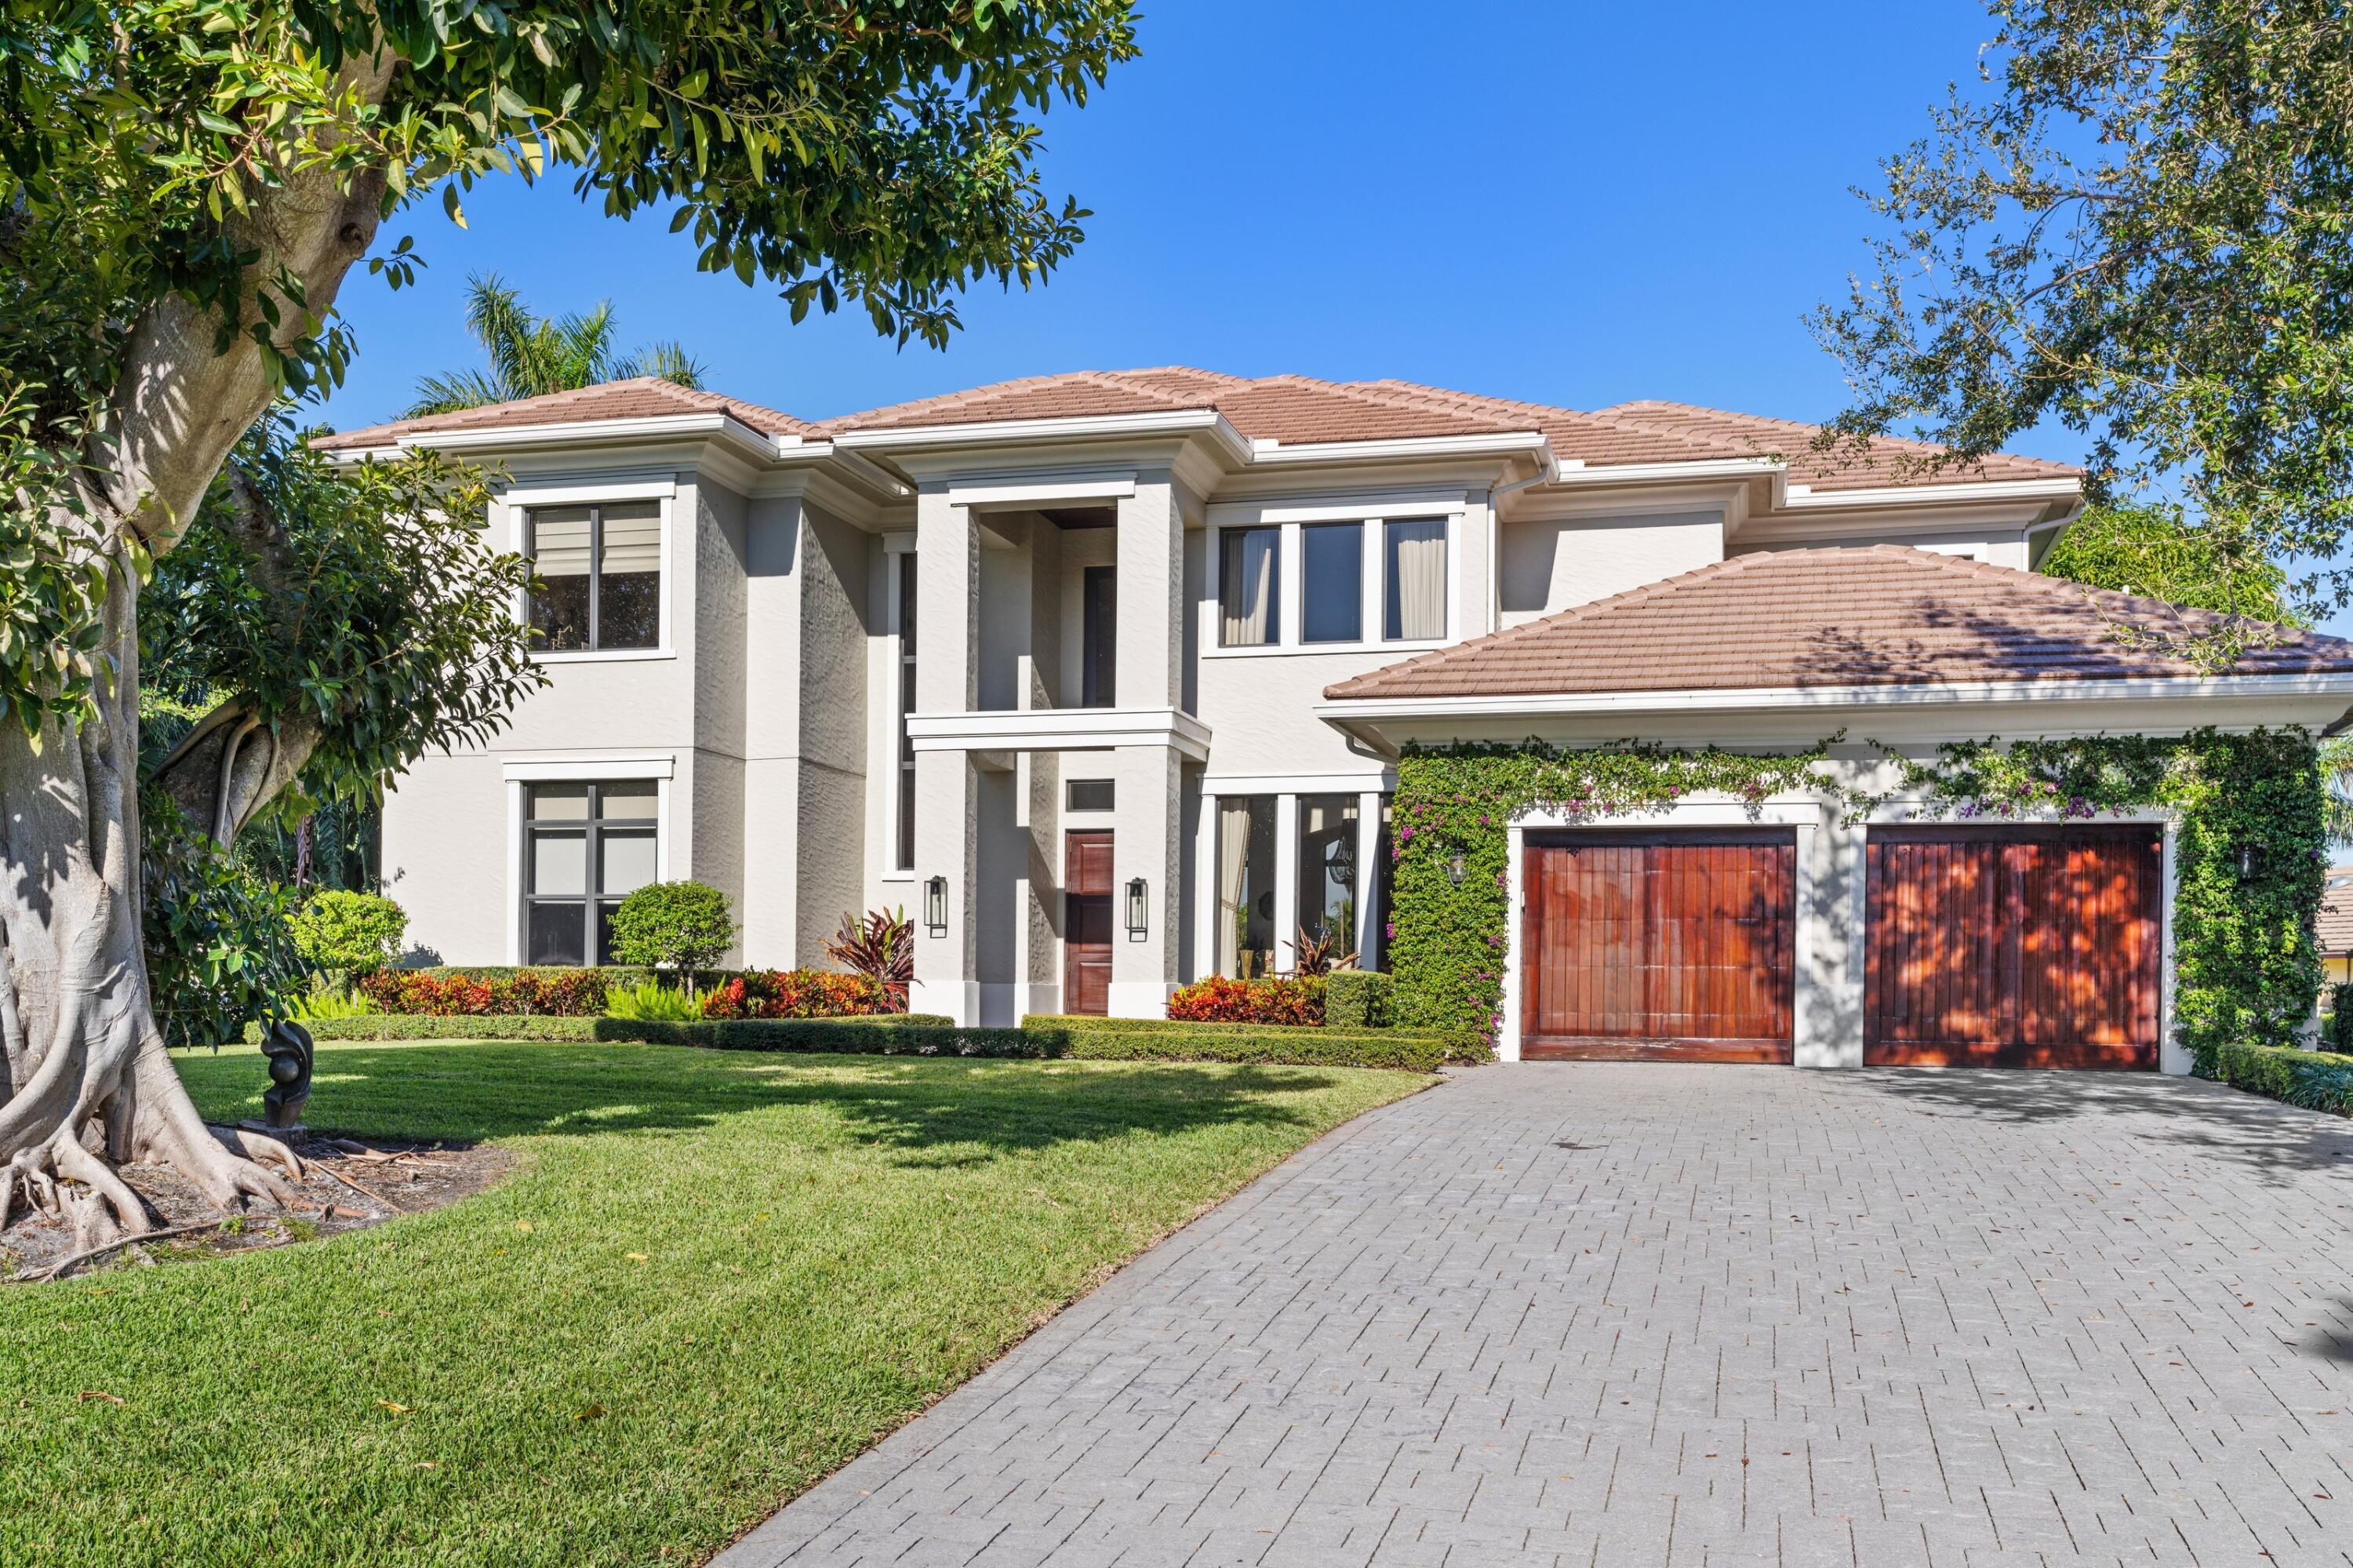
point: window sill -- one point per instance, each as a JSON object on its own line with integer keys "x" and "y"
{"x": 604, "y": 655}
{"x": 1413, "y": 645}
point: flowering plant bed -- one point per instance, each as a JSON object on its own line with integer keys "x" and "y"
{"x": 799, "y": 993}
{"x": 1276, "y": 999}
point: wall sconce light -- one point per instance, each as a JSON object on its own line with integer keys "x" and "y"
{"x": 2246, "y": 862}
{"x": 1136, "y": 922}
{"x": 1455, "y": 870}
{"x": 936, "y": 905}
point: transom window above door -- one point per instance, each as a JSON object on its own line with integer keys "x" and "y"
{"x": 1355, "y": 582}
{"x": 599, "y": 568}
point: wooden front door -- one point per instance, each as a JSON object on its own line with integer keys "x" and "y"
{"x": 1665, "y": 946}
{"x": 2012, "y": 948}
{"x": 1086, "y": 923}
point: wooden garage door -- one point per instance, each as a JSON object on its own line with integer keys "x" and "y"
{"x": 2009, "y": 947}
{"x": 1657, "y": 946}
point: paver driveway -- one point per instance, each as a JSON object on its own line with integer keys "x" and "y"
{"x": 1663, "y": 1314}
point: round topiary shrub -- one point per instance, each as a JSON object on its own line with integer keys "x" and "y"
{"x": 678, "y": 926}
{"x": 337, "y": 932}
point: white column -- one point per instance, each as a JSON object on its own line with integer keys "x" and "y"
{"x": 1370, "y": 873}
{"x": 947, "y": 561}
{"x": 1148, "y": 820}
{"x": 1206, "y": 891}
{"x": 1286, "y": 881}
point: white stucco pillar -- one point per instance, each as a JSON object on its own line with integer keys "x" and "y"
{"x": 1370, "y": 874}
{"x": 1151, "y": 574}
{"x": 1148, "y": 841}
{"x": 1205, "y": 891}
{"x": 947, "y": 561}
{"x": 1286, "y": 881}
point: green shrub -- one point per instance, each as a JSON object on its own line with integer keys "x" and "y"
{"x": 1359, "y": 998}
{"x": 325, "y": 1004}
{"x": 338, "y": 932}
{"x": 674, "y": 926}
{"x": 918, "y": 1034}
{"x": 651, "y": 999}
{"x": 2316, "y": 1080}
{"x": 2337, "y": 1029}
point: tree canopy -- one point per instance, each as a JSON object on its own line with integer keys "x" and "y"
{"x": 531, "y": 356}
{"x": 2150, "y": 551}
{"x": 2138, "y": 223}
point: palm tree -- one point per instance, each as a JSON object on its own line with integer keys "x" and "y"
{"x": 2337, "y": 790}
{"x": 532, "y": 354}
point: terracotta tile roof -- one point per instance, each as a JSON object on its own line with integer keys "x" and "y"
{"x": 1879, "y": 615}
{"x": 1887, "y": 460}
{"x": 1291, "y": 410}
{"x": 640, "y": 397}
{"x": 2334, "y": 924}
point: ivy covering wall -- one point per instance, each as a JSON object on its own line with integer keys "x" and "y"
{"x": 2246, "y": 966}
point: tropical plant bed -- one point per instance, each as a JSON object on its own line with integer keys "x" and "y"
{"x": 344, "y": 1185}
{"x": 710, "y": 1280}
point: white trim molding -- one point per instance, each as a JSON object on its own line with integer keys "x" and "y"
{"x": 566, "y": 767}
{"x": 1381, "y": 783}
{"x": 1059, "y": 729}
{"x": 1043, "y": 489}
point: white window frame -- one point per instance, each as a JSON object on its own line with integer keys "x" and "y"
{"x": 1372, "y": 790}
{"x": 514, "y": 525}
{"x": 555, "y": 768}
{"x": 899, "y": 553}
{"x": 1449, "y": 507}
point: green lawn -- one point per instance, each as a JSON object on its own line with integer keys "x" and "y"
{"x": 830, "y": 1242}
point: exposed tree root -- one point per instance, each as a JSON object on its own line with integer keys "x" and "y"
{"x": 55, "y": 1270}
{"x": 258, "y": 1145}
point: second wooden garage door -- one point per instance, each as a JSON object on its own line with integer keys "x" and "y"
{"x": 1657, "y": 946}
{"x": 2012, "y": 948}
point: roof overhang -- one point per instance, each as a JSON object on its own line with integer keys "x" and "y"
{"x": 1927, "y": 711}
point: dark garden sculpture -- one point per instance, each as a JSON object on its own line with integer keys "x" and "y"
{"x": 288, "y": 1046}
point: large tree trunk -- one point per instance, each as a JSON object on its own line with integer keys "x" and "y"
{"x": 86, "y": 1083}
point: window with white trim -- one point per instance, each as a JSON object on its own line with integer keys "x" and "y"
{"x": 586, "y": 847}
{"x": 1361, "y": 582}
{"x": 1250, "y": 588}
{"x": 599, "y": 570}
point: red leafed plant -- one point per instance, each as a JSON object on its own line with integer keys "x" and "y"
{"x": 882, "y": 947}
{"x": 1276, "y": 999}
{"x": 798, "y": 993}
{"x": 547, "y": 992}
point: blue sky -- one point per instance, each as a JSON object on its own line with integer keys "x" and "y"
{"x": 1569, "y": 203}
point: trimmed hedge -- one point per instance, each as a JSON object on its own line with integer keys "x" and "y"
{"x": 1090, "y": 1023}
{"x": 1359, "y": 998}
{"x": 2336, "y": 1029}
{"x": 920, "y": 1034}
{"x": 2316, "y": 1080}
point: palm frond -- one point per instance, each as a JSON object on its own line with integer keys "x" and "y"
{"x": 668, "y": 360}
{"x": 459, "y": 389}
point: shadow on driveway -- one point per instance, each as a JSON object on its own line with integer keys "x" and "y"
{"x": 2192, "y": 1116}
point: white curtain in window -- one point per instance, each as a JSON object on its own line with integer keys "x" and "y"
{"x": 1415, "y": 578}
{"x": 1247, "y": 594}
{"x": 1233, "y": 880}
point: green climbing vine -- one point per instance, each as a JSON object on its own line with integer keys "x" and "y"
{"x": 2246, "y": 966}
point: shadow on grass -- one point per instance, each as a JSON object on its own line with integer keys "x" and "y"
{"x": 2188, "y": 1114}
{"x": 948, "y": 1112}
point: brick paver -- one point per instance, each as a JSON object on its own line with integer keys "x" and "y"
{"x": 1685, "y": 1315}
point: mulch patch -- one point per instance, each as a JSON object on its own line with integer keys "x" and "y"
{"x": 347, "y": 1185}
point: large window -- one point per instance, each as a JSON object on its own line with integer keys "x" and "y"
{"x": 586, "y": 848}
{"x": 600, "y": 576}
{"x": 1413, "y": 553}
{"x": 905, "y": 845}
{"x": 1327, "y": 869}
{"x": 1331, "y": 582}
{"x": 1249, "y": 590}
{"x": 1245, "y": 886}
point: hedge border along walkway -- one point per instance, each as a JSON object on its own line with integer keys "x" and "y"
{"x": 2315, "y": 1080}
{"x": 1095, "y": 1039}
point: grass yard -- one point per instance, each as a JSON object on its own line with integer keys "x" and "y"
{"x": 714, "y": 1277}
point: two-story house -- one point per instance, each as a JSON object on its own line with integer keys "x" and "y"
{"x": 1102, "y": 677}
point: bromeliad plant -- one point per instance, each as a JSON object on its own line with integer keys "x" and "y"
{"x": 882, "y": 947}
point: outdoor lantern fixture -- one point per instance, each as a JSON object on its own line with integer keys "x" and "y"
{"x": 1135, "y": 919}
{"x": 936, "y": 905}
{"x": 1455, "y": 870}
{"x": 2246, "y": 862}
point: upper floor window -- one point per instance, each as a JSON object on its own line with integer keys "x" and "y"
{"x": 600, "y": 576}
{"x": 1413, "y": 552}
{"x": 1362, "y": 582}
{"x": 1250, "y": 590}
{"x": 1099, "y": 638}
{"x": 1331, "y": 583}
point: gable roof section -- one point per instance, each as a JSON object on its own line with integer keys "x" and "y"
{"x": 2334, "y": 924}
{"x": 1879, "y": 615}
{"x": 640, "y": 397}
{"x": 1884, "y": 461}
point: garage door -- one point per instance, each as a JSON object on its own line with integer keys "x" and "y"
{"x": 2008, "y": 947}
{"x": 1668, "y": 946}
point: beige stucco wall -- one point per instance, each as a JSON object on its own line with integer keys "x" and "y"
{"x": 1551, "y": 564}
{"x": 446, "y": 857}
